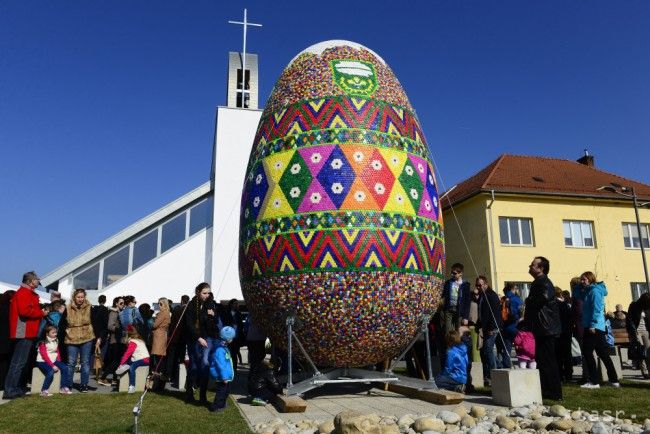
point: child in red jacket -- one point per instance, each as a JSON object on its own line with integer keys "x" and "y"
{"x": 49, "y": 361}
{"x": 136, "y": 355}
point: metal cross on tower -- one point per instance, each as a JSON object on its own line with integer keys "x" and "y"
{"x": 245, "y": 25}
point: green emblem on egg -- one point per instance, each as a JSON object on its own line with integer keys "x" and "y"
{"x": 355, "y": 77}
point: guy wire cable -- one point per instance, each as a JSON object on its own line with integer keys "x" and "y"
{"x": 469, "y": 253}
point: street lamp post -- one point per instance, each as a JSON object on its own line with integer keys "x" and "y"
{"x": 624, "y": 191}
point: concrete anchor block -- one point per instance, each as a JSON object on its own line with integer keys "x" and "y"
{"x": 140, "y": 379}
{"x": 516, "y": 387}
{"x": 38, "y": 378}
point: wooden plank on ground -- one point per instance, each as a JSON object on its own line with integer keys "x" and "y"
{"x": 440, "y": 396}
{"x": 290, "y": 404}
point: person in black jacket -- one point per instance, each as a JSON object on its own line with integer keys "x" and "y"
{"x": 196, "y": 327}
{"x": 262, "y": 384}
{"x": 490, "y": 323}
{"x": 638, "y": 328}
{"x": 99, "y": 320}
{"x": 231, "y": 316}
{"x": 563, "y": 341}
{"x": 542, "y": 317}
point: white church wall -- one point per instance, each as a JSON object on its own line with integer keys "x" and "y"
{"x": 233, "y": 141}
{"x": 172, "y": 274}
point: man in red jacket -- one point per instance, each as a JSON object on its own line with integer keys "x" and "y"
{"x": 25, "y": 316}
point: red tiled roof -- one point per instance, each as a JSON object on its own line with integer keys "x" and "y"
{"x": 541, "y": 175}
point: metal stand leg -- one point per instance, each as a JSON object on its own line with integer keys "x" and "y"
{"x": 425, "y": 329}
{"x": 290, "y": 321}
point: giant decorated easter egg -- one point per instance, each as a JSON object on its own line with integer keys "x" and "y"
{"x": 340, "y": 219}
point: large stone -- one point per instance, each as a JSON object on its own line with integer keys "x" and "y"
{"x": 576, "y": 415}
{"x": 448, "y": 416}
{"x": 516, "y": 387}
{"x": 541, "y": 423}
{"x": 467, "y": 421}
{"x": 626, "y": 427}
{"x": 580, "y": 426}
{"x": 388, "y": 427}
{"x": 326, "y": 427}
{"x": 353, "y": 422}
{"x": 535, "y": 415}
{"x": 521, "y": 412}
{"x": 281, "y": 430}
{"x": 477, "y": 374}
{"x": 460, "y": 410}
{"x": 558, "y": 410}
{"x": 600, "y": 428}
{"x": 428, "y": 424}
{"x": 405, "y": 421}
{"x": 477, "y": 411}
{"x": 561, "y": 424}
{"x": 478, "y": 430}
{"x": 505, "y": 422}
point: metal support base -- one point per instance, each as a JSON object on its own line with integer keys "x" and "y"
{"x": 339, "y": 376}
{"x": 353, "y": 375}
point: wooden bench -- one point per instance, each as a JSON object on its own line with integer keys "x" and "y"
{"x": 621, "y": 343}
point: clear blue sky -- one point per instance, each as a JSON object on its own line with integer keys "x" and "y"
{"x": 107, "y": 107}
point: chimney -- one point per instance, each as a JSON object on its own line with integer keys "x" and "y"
{"x": 587, "y": 160}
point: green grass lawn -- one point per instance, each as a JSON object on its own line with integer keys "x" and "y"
{"x": 633, "y": 399}
{"x": 112, "y": 413}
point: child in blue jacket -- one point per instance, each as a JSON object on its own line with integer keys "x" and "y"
{"x": 454, "y": 376}
{"x": 221, "y": 368}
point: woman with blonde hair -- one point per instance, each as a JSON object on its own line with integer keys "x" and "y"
{"x": 159, "y": 345}
{"x": 595, "y": 335}
{"x": 79, "y": 336}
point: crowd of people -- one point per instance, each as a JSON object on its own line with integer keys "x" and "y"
{"x": 545, "y": 330}
{"x": 207, "y": 336}
{"x": 113, "y": 341}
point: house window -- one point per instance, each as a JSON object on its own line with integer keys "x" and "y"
{"x": 631, "y": 236}
{"x": 638, "y": 288}
{"x": 522, "y": 287}
{"x": 578, "y": 233}
{"x": 516, "y": 231}
{"x": 88, "y": 279}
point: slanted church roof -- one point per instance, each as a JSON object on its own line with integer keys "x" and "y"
{"x": 542, "y": 176}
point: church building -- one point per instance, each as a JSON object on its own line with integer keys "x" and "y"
{"x": 192, "y": 239}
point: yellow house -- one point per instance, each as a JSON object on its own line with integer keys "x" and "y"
{"x": 519, "y": 207}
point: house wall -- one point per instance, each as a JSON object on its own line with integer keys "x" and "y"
{"x": 610, "y": 260}
{"x": 469, "y": 220}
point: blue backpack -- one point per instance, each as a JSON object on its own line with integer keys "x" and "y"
{"x": 609, "y": 337}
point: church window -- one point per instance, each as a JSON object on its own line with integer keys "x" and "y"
{"x": 88, "y": 279}
{"x": 200, "y": 216}
{"x": 173, "y": 232}
{"x": 116, "y": 266}
{"x": 145, "y": 249}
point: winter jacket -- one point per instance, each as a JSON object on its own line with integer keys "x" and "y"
{"x": 48, "y": 351}
{"x": 634, "y": 318}
{"x": 130, "y": 316}
{"x": 99, "y": 317}
{"x": 135, "y": 350}
{"x": 593, "y": 307}
{"x": 514, "y": 303}
{"x": 542, "y": 314}
{"x": 79, "y": 328}
{"x": 576, "y": 311}
{"x": 160, "y": 328}
{"x": 5, "y": 342}
{"x": 464, "y": 298}
{"x": 456, "y": 364}
{"x": 221, "y": 363}
{"x": 176, "y": 330}
{"x": 198, "y": 324}
{"x": 25, "y": 314}
{"x": 53, "y": 318}
{"x": 263, "y": 379}
{"x": 114, "y": 332}
{"x": 525, "y": 345}
{"x": 489, "y": 310}
{"x": 565, "y": 316}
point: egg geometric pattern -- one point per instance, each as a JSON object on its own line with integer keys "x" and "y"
{"x": 340, "y": 218}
